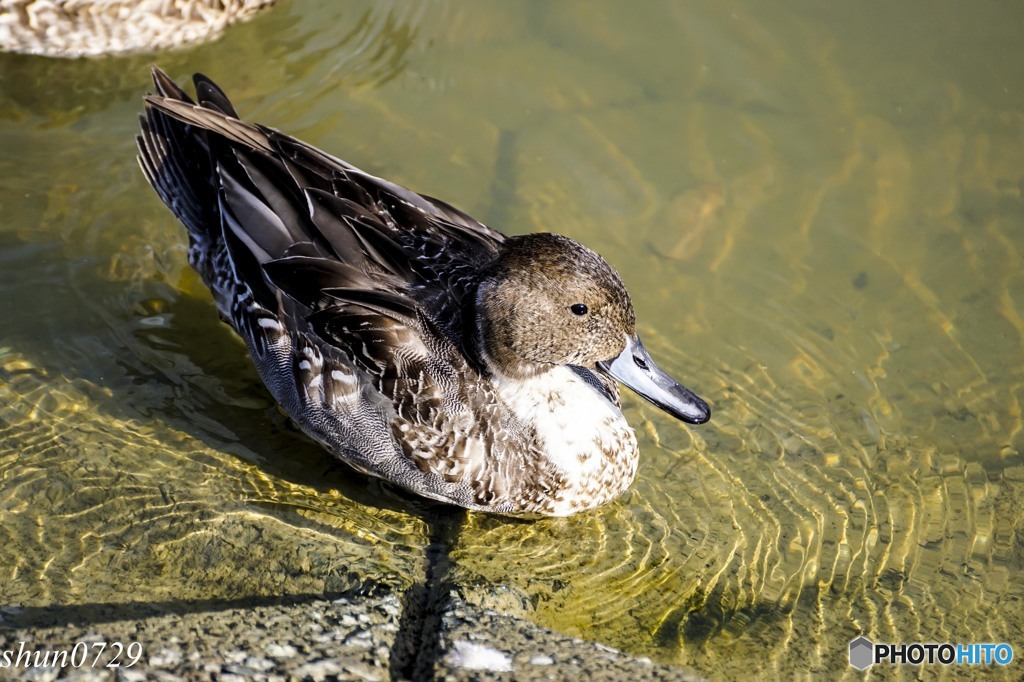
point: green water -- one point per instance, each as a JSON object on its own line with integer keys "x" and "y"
{"x": 816, "y": 206}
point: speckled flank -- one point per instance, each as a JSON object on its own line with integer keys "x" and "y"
{"x": 80, "y": 28}
{"x": 410, "y": 340}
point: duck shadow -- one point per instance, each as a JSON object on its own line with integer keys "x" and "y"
{"x": 166, "y": 357}
{"x": 147, "y": 353}
{"x": 228, "y": 391}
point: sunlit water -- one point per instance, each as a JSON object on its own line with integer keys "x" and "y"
{"x": 817, "y": 209}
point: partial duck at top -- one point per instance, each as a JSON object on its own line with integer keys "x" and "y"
{"x": 410, "y": 340}
{"x": 89, "y": 28}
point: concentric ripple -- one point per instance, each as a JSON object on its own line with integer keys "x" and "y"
{"x": 120, "y": 509}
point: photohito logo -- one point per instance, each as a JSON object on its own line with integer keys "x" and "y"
{"x": 865, "y": 653}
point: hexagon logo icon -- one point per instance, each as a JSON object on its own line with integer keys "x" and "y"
{"x": 862, "y": 653}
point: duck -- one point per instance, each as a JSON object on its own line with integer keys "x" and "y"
{"x": 90, "y": 28}
{"x": 413, "y": 342}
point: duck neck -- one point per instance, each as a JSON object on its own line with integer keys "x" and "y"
{"x": 488, "y": 341}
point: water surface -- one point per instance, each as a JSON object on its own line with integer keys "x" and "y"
{"x": 818, "y": 211}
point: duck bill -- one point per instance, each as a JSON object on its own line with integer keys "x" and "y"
{"x": 635, "y": 368}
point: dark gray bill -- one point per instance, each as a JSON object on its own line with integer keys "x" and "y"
{"x": 635, "y": 369}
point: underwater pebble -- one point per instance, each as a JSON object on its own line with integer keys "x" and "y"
{"x": 129, "y": 675}
{"x": 1014, "y": 473}
{"x": 232, "y": 677}
{"x": 163, "y": 676}
{"x": 319, "y": 670}
{"x": 88, "y": 675}
{"x": 465, "y": 654}
{"x": 259, "y": 663}
{"x": 165, "y": 658}
{"x": 282, "y": 650}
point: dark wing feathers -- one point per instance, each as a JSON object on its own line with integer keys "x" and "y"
{"x": 255, "y": 223}
{"x": 169, "y": 159}
{"x": 406, "y": 361}
{"x": 272, "y": 182}
{"x": 357, "y": 274}
{"x": 211, "y": 96}
{"x": 352, "y": 231}
{"x": 212, "y": 120}
{"x": 168, "y": 88}
{"x": 305, "y": 278}
{"x": 308, "y": 249}
{"x": 335, "y": 225}
{"x": 377, "y": 193}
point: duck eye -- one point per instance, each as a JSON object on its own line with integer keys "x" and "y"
{"x": 578, "y": 309}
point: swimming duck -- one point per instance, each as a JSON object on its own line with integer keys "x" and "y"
{"x": 413, "y": 342}
{"x": 88, "y": 28}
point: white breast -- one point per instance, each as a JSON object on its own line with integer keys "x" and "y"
{"x": 583, "y": 433}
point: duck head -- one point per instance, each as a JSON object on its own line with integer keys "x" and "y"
{"x": 547, "y": 300}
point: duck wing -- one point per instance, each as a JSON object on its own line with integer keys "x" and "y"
{"x": 275, "y": 191}
{"x": 348, "y": 290}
